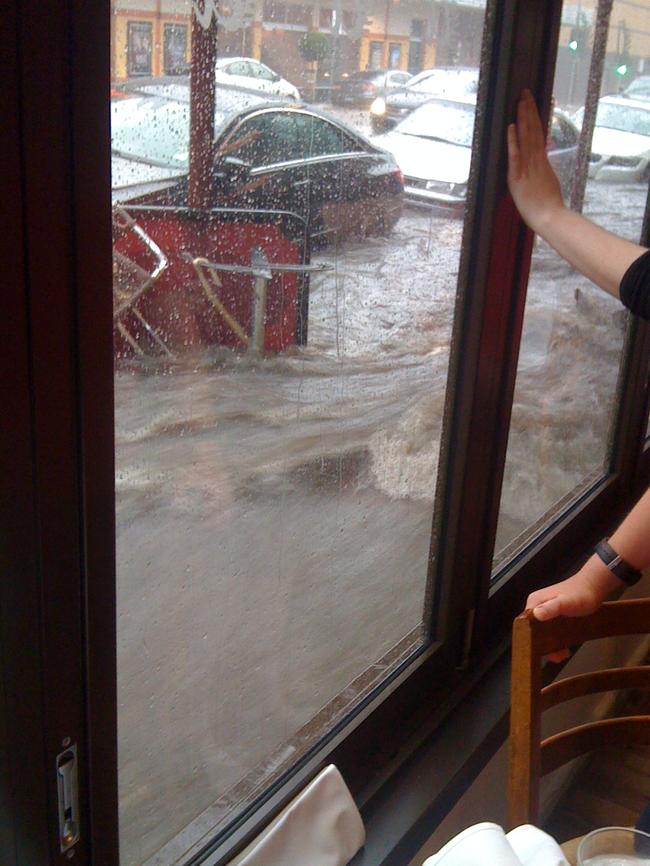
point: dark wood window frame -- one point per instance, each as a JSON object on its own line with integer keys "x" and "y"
{"x": 57, "y": 611}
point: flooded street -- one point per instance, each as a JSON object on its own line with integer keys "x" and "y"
{"x": 274, "y": 513}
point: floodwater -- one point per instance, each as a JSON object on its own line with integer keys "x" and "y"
{"x": 274, "y": 513}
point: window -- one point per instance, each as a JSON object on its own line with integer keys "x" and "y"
{"x": 308, "y": 466}
{"x": 276, "y": 470}
{"x": 139, "y": 47}
{"x": 418, "y": 28}
{"x": 394, "y": 54}
{"x": 279, "y": 439}
{"x": 268, "y": 139}
{"x": 320, "y": 138}
{"x": 570, "y": 365}
{"x": 298, "y": 14}
{"x": 258, "y": 70}
{"x": 240, "y": 67}
{"x": 295, "y": 16}
{"x": 174, "y": 48}
{"x": 376, "y": 49}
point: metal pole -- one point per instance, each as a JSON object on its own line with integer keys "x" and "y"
{"x": 601, "y": 30}
{"x": 261, "y": 276}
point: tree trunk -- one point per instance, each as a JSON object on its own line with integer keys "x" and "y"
{"x": 202, "y": 103}
{"x": 591, "y": 104}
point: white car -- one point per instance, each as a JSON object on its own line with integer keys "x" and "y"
{"x": 249, "y": 73}
{"x": 433, "y": 148}
{"x": 620, "y": 148}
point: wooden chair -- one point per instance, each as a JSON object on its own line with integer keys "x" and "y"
{"x": 530, "y": 756}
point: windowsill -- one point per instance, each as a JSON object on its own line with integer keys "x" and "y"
{"x": 406, "y": 809}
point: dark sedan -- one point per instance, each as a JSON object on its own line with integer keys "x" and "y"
{"x": 361, "y": 88}
{"x": 268, "y": 155}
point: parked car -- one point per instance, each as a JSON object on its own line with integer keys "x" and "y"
{"x": 433, "y": 147}
{"x": 246, "y": 72}
{"x": 361, "y": 88}
{"x": 269, "y": 154}
{"x": 452, "y": 82}
{"x": 639, "y": 88}
{"x": 620, "y": 147}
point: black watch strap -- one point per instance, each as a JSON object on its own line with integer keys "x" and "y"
{"x": 616, "y": 564}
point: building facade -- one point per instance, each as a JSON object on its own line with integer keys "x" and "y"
{"x": 152, "y": 37}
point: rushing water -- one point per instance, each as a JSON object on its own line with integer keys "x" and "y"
{"x": 274, "y": 513}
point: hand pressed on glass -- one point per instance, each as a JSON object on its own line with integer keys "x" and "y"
{"x": 536, "y": 192}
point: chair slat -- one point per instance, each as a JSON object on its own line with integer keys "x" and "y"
{"x": 597, "y": 681}
{"x": 570, "y": 744}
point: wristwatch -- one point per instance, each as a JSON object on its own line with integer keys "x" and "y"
{"x": 616, "y": 564}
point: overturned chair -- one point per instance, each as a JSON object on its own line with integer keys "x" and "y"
{"x": 131, "y": 282}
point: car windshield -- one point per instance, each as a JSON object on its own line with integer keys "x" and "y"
{"x": 625, "y": 118}
{"x": 155, "y": 129}
{"x": 151, "y": 129}
{"x": 641, "y": 85}
{"x": 447, "y": 82}
{"x": 441, "y": 121}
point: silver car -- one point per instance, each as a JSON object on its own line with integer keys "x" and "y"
{"x": 620, "y": 147}
{"x": 433, "y": 148}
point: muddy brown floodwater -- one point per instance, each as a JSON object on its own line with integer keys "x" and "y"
{"x": 274, "y": 514}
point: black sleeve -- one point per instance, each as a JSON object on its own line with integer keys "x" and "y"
{"x": 635, "y": 286}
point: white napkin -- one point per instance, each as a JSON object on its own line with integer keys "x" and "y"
{"x": 486, "y": 844}
{"x": 534, "y": 847}
{"x": 320, "y": 827}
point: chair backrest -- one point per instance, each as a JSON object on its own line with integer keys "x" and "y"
{"x": 530, "y": 756}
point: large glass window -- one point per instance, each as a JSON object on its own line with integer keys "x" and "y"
{"x": 281, "y": 353}
{"x": 567, "y": 389}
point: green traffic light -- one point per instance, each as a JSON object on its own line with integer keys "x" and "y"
{"x": 573, "y": 45}
{"x": 622, "y": 69}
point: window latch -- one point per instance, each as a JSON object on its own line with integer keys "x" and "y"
{"x": 67, "y": 784}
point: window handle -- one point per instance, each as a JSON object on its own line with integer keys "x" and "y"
{"x": 67, "y": 783}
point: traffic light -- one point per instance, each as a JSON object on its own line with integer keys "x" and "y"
{"x": 577, "y": 39}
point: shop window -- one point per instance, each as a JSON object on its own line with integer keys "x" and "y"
{"x": 139, "y": 47}
{"x": 175, "y": 48}
{"x": 394, "y": 55}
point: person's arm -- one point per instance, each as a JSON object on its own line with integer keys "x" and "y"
{"x": 585, "y": 591}
{"x": 598, "y": 254}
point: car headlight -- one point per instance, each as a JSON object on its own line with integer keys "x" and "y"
{"x": 378, "y": 106}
